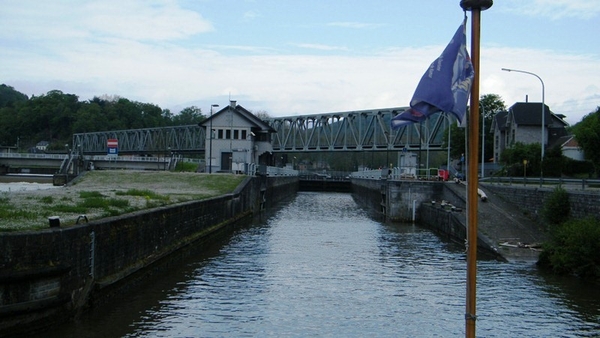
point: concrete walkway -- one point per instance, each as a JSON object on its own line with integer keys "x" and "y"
{"x": 506, "y": 227}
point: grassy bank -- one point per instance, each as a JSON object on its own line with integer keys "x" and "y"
{"x": 100, "y": 194}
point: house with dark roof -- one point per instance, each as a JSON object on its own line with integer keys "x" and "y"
{"x": 522, "y": 122}
{"x": 236, "y": 138}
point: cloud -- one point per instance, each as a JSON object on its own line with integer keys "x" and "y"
{"x": 136, "y": 20}
{"x": 566, "y": 78}
{"x": 556, "y": 9}
{"x": 77, "y": 49}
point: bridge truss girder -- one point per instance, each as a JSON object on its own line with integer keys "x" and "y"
{"x": 356, "y": 131}
{"x": 188, "y": 138}
{"x": 363, "y": 130}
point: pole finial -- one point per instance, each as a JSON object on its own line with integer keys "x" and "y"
{"x": 469, "y": 5}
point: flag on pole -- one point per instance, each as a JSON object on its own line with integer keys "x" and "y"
{"x": 444, "y": 87}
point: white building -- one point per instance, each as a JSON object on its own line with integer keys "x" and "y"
{"x": 238, "y": 138}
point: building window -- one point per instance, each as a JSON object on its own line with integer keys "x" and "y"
{"x": 227, "y": 134}
{"x": 236, "y": 134}
{"x": 243, "y": 134}
{"x": 220, "y": 134}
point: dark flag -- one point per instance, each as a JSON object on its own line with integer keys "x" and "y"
{"x": 444, "y": 87}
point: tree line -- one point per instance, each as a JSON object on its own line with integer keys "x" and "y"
{"x": 55, "y": 116}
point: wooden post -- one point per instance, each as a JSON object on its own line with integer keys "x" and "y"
{"x": 475, "y": 6}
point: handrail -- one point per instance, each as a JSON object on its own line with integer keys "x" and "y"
{"x": 571, "y": 183}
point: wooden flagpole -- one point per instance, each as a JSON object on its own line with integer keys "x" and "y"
{"x": 475, "y": 6}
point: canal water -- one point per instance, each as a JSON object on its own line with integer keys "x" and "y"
{"x": 321, "y": 266}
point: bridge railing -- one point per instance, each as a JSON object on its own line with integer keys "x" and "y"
{"x": 277, "y": 171}
{"x": 34, "y": 155}
{"x": 396, "y": 173}
{"x": 567, "y": 183}
{"x": 374, "y": 174}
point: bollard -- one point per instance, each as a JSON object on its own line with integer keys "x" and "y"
{"x": 54, "y": 221}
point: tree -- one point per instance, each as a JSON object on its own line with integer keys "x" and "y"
{"x": 189, "y": 115}
{"x": 262, "y": 114}
{"x": 573, "y": 249}
{"x": 554, "y": 162}
{"x": 491, "y": 104}
{"x": 557, "y": 208}
{"x": 587, "y": 133}
{"x": 522, "y": 159}
{"x": 9, "y": 96}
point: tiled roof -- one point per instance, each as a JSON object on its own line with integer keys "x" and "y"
{"x": 530, "y": 113}
{"x": 500, "y": 120}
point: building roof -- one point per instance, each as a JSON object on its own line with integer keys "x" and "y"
{"x": 529, "y": 114}
{"x": 567, "y": 141}
{"x": 244, "y": 113}
{"x": 500, "y": 120}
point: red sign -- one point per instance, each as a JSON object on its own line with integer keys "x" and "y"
{"x": 112, "y": 143}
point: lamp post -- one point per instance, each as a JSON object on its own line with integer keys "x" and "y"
{"x": 427, "y": 145}
{"x": 449, "y": 141}
{"x": 211, "y": 137}
{"x": 543, "y": 110}
{"x": 482, "y": 141}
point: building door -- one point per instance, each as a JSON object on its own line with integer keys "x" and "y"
{"x": 226, "y": 161}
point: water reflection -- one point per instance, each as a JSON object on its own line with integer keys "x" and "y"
{"x": 321, "y": 266}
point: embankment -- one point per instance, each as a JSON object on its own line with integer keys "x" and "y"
{"x": 49, "y": 276}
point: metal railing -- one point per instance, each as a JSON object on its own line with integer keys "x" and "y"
{"x": 277, "y": 171}
{"x": 567, "y": 183}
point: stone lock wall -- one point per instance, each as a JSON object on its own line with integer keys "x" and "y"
{"x": 531, "y": 200}
{"x": 47, "y": 276}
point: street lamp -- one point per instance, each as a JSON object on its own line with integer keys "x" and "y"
{"x": 543, "y": 107}
{"x": 211, "y": 137}
{"x": 449, "y": 140}
{"x": 427, "y": 145}
{"x": 482, "y": 141}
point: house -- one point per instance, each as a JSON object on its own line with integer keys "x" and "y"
{"x": 238, "y": 138}
{"x": 42, "y": 145}
{"x": 570, "y": 148}
{"x": 522, "y": 122}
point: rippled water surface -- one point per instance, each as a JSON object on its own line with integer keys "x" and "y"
{"x": 320, "y": 266}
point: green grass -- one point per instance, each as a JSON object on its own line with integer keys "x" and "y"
{"x": 147, "y": 194}
{"x": 47, "y": 199}
{"x": 186, "y": 167}
{"x": 33, "y": 214}
{"x": 90, "y": 194}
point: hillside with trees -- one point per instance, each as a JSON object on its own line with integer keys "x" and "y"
{"x": 55, "y": 116}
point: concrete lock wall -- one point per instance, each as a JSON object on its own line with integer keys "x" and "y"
{"x": 406, "y": 201}
{"x": 50, "y": 275}
{"x": 395, "y": 200}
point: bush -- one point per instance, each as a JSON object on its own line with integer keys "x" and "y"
{"x": 186, "y": 166}
{"x": 557, "y": 208}
{"x": 574, "y": 248}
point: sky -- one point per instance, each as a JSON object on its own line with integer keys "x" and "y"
{"x": 296, "y": 57}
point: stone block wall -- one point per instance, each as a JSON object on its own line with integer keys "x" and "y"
{"x": 48, "y": 275}
{"x": 531, "y": 200}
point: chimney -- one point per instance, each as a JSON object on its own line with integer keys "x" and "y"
{"x": 232, "y": 103}
{"x": 526, "y": 98}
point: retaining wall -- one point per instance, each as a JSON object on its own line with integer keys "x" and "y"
{"x": 49, "y": 276}
{"x": 395, "y": 200}
{"x": 531, "y": 200}
{"x": 398, "y": 200}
